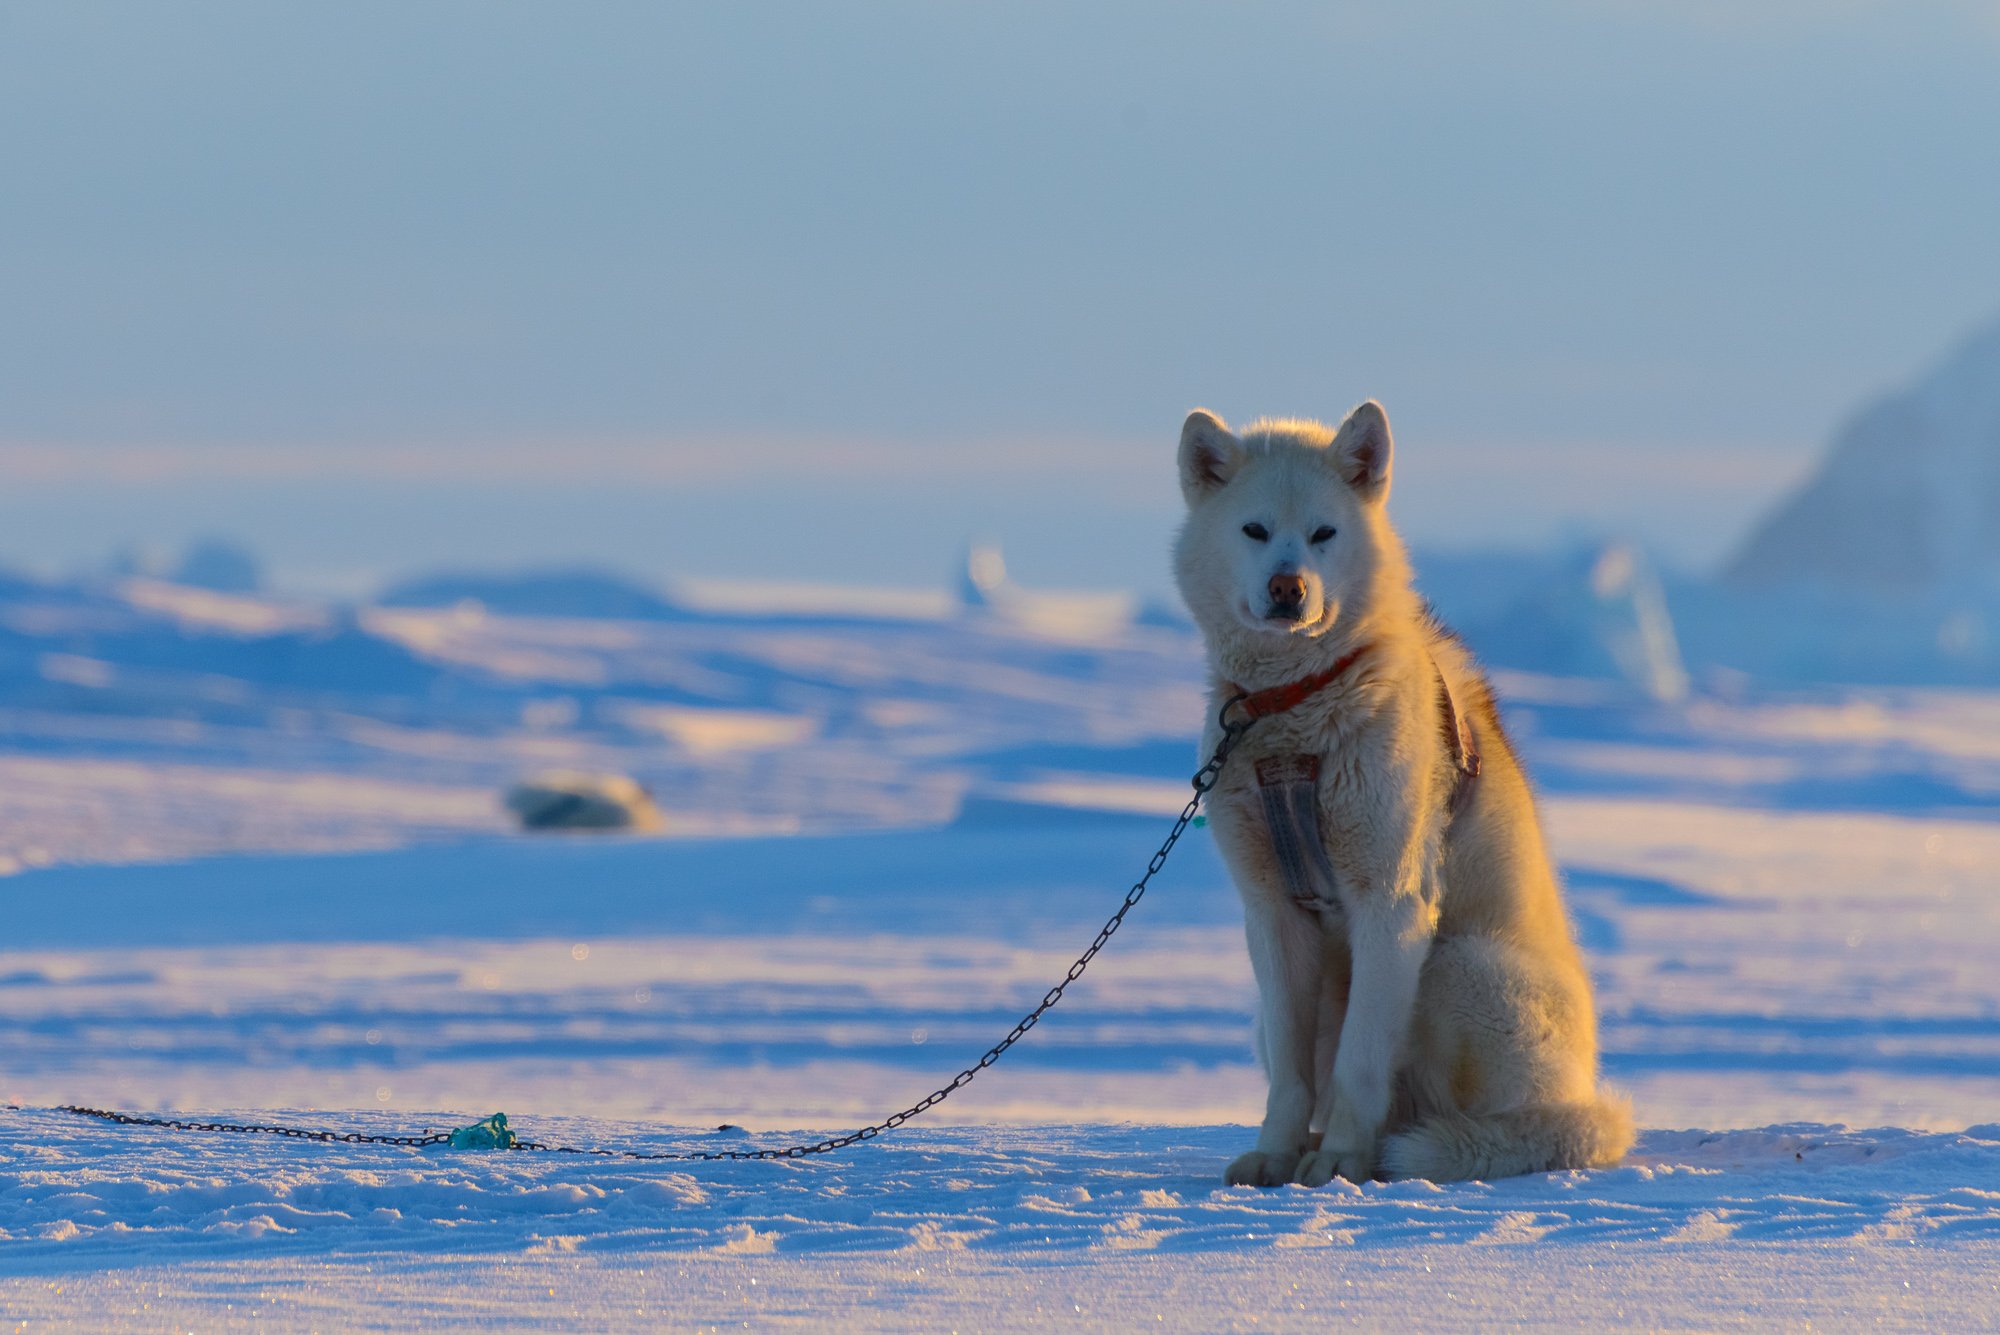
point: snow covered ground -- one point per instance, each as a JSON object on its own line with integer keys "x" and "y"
{"x": 992, "y": 1228}
{"x": 891, "y": 833}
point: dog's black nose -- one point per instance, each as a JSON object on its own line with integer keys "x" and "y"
{"x": 1288, "y": 592}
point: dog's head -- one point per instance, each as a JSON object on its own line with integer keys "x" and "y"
{"x": 1286, "y": 523}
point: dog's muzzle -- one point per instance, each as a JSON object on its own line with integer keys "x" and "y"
{"x": 1286, "y": 592}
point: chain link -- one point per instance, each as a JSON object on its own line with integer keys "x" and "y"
{"x": 1204, "y": 782}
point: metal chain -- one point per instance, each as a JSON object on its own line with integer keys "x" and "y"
{"x": 1204, "y": 781}
{"x": 254, "y": 1129}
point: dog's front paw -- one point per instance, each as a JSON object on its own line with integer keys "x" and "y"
{"x": 1261, "y": 1168}
{"x": 1321, "y": 1166}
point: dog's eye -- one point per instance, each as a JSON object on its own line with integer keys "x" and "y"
{"x": 1257, "y": 532}
{"x": 1321, "y": 534}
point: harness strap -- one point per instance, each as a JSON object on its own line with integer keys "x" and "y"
{"x": 1287, "y": 784}
{"x": 1458, "y": 740}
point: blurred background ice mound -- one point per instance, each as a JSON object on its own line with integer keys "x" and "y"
{"x": 1628, "y": 616}
{"x": 212, "y": 563}
{"x": 1906, "y": 502}
{"x": 220, "y": 565}
{"x": 982, "y": 580}
{"x": 1600, "y": 612}
{"x": 985, "y": 591}
{"x": 573, "y": 800}
{"x": 555, "y": 592}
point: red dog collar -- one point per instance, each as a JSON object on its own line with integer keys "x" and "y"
{"x": 1278, "y": 699}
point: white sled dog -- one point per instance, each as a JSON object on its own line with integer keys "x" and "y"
{"x": 1424, "y": 1011}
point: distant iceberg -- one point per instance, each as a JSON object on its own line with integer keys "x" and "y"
{"x": 1885, "y": 565}
{"x": 1882, "y": 568}
{"x": 1907, "y": 500}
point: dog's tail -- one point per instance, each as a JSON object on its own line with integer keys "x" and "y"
{"x": 1543, "y": 1138}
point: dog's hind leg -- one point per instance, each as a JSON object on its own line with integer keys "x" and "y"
{"x": 1504, "y": 1067}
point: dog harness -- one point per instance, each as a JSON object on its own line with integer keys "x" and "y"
{"x": 1288, "y": 785}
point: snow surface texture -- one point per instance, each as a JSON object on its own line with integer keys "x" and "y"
{"x": 103, "y": 1194}
{"x": 894, "y": 832}
{"x": 88, "y": 1204}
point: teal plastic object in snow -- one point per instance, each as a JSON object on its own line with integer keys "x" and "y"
{"x": 491, "y": 1134}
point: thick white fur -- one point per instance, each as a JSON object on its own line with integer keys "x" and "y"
{"x": 1441, "y": 1025}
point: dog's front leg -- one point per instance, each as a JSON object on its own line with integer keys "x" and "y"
{"x": 1390, "y": 935}
{"x": 1285, "y": 955}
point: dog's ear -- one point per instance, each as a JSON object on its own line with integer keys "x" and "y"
{"x": 1361, "y": 451}
{"x": 1209, "y": 455}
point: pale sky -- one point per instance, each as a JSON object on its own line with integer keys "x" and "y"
{"x": 771, "y": 290}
